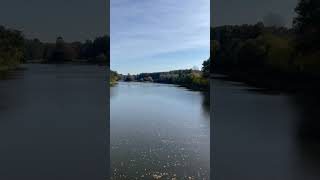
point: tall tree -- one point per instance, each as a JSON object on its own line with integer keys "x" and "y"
{"x": 206, "y": 67}
{"x": 11, "y": 48}
{"x": 307, "y": 25}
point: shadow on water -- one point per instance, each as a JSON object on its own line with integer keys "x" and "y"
{"x": 307, "y": 129}
{"x": 280, "y": 129}
{"x": 308, "y": 132}
{"x": 205, "y": 95}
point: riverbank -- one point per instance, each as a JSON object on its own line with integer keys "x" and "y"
{"x": 193, "y": 87}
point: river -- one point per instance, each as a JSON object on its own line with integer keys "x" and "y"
{"x": 159, "y": 130}
{"x": 53, "y": 123}
{"x": 256, "y": 134}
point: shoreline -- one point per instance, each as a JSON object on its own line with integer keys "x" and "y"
{"x": 294, "y": 83}
{"x": 189, "y": 87}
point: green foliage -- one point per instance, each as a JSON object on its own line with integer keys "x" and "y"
{"x": 307, "y": 39}
{"x": 257, "y": 53}
{"x": 11, "y": 48}
{"x": 95, "y": 51}
{"x": 307, "y": 25}
{"x": 267, "y": 49}
{"x": 280, "y": 52}
{"x": 308, "y": 63}
{"x": 251, "y": 54}
{"x": 192, "y": 79}
{"x": 228, "y": 40}
{"x": 214, "y": 48}
{"x": 114, "y": 77}
{"x": 206, "y": 68}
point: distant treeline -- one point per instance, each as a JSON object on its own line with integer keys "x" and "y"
{"x": 15, "y": 49}
{"x": 261, "y": 54}
{"x": 91, "y": 51}
{"x": 190, "y": 78}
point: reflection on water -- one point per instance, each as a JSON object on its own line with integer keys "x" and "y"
{"x": 158, "y": 130}
{"x": 257, "y": 134}
{"x": 53, "y": 122}
{"x": 206, "y": 103}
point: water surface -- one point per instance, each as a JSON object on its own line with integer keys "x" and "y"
{"x": 159, "y": 130}
{"x": 53, "y": 123}
{"x": 256, "y": 134}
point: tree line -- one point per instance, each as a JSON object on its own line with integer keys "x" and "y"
{"x": 15, "y": 49}
{"x": 61, "y": 51}
{"x": 190, "y": 78}
{"x": 265, "y": 54}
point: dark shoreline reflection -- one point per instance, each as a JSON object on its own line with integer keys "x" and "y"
{"x": 53, "y": 121}
{"x": 274, "y": 134}
{"x": 206, "y": 102}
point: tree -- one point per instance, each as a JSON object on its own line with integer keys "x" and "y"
{"x": 206, "y": 68}
{"x": 129, "y": 78}
{"x": 114, "y": 77}
{"x": 252, "y": 54}
{"x": 307, "y": 25}
{"x": 58, "y": 53}
{"x": 11, "y": 48}
{"x": 214, "y": 47}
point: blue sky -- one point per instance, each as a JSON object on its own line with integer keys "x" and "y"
{"x": 159, "y": 35}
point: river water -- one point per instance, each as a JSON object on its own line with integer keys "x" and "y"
{"x": 256, "y": 134}
{"x": 53, "y": 123}
{"x": 159, "y": 130}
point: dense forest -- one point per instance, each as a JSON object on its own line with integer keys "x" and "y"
{"x": 271, "y": 56}
{"x": 16, "y": 49}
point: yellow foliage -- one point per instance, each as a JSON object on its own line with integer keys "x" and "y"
{"x": 279, "y": 50}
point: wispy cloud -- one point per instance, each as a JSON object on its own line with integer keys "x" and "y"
{"x": 150, "y": 29}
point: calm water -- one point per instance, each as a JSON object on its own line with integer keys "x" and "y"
{"x": 53, "y": 121}
{"x": 159, "y": 130}
{"x": 256, "y": 134}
